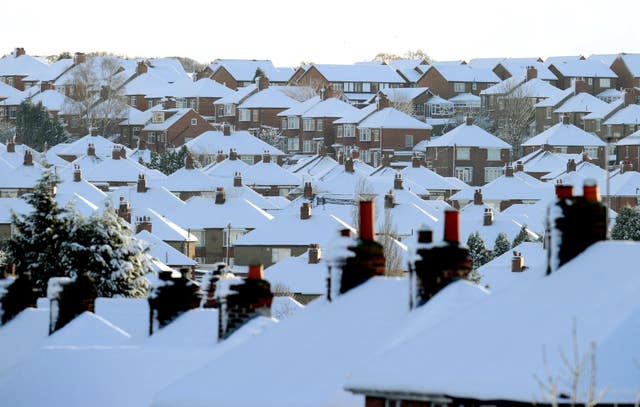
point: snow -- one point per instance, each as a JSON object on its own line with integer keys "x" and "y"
{"x": 565, "y": 135}
{"x": 468, "y": 136}
{"x": 54, "y": 101}
{"x": 496, "y": 275}
{"x": 270, "y": 173}
{"x": 518, "y": 187}
{"x": 21, "y": 336}
{"x": 584, "y": 102}
{"x": 269, "y": 98}
{"x": 390, "y": 118}
{"x": 130, "y": 314}
{"x": 237, "y": 96}
{"x": 331, "y": 107}
{"x": 103, "y": 146}
{"x": 23, "y": 65}
{"x": 163, "y": 251}
{"x": 632, "y": 139}
{"x": 588, "y": 68}
{"x": 427, "y": 178}
{"x": 356, "y": 116}
{"x": 627, "y": 115}
{"x": 187, "y": 180}
{"x": 284, "y": 307}
{"x": 244, "y": 70}
{"x": 88, "y": 329}
{"x": 632, "y": 61}
{"x": 203, "y": 213}
{"x": 359, "y": 73}
{"x": 162, "y": 227}
{"x": 300, "y": 108}
{"x": 471, "y": 220}
{"x": 159, "y": 199}
{"x": 297, "y": 275}
{"x": 314, "y": 167}
{"x": 170, "y": 118}
{"x": 210, "y": 142}
{"x": 465, "y": 73}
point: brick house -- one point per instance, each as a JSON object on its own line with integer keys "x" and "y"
{"x": 468, "y": 153}
{"x": 623, "y": 121}
{"x": 226, "y": 108}
{"x": 594, "y": 72}
{"x": 261, "y": 108}
{"x": 449, "y": 80}
{"x": 238, "y": 73}
{"x": 173, "y": 127}
{"x": 18, "y": 65}
{"x": 628, "y": 150}
{"x": 627, "y": 67}
{"x": 412, "y": 100}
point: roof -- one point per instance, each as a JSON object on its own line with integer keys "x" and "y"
{"x": 632, "y": 61}
{"x": 54, "y": 101}
{"x": 300, "y": 108}
{"x": 564, "y": 135}
{"x": 427, "y": 178}
{"x": 631, "y": 140}
{"x": 201, "y": 212}
{"x": 604, "y": 111}
{"x": 297, "y": 275}
{"x": 557, "y": 99}
{"x": 562, "y": 59}
{"x": 588, "y": 68}
{"x": 237, "y": 96}
{"x": 465, "y": 73}
{"x": 210, "y": 142}
{"x": 78, "y": 148}
{"x": 23, "y": 65}
{"x": 582, "y": 102}
{"x": 331, "y": 107}
{"x": 269, "y": 98}
{"x": 178, "y": 113}
{"x": 390, "y": 118}
{"x": 359, "y": 73}
{"x": 262, "y": 173}
{"x": 313, "y": 167}
{"x": 519, "y": 187}
{"x": 625, "y": 184}
{"x": 356, "y": 116}
{"x": 627, "y": 115}
{"x": 163, "y": 251}
{"x": 468, "y": 136}
{"x": 187, "y": 180}
{"x": 244, "y": 70}
{"x": 156, "y": 197}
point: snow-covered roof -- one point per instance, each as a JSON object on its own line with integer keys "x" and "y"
{"x": 78, "y": 148}
{"x": 146, "y": 84}
{"x": 187, "y": 180}
{"x": 226, "y": 168}
{"x": 465, "y": 98}
{"x": 516, "y": 66}
{"x": 118, "y": 170}
{"x": 162, "y": 251}
{"x": 54, "y": 101}
{"x": 632, "y": 61}
{"x": 297, "y": 275}
{"x": 557, "y": 99}
{"x": 587, "y": 68}
{"x": 313, "y": 167}
{"x": 244, "y": 70}
{"x": 270, "y": 173}
{"x": 564, "y": 135}
{"x": 269, "y": 98}
{"x": 496, "y": 275}
{"x": 210, "y": 142}
{"x": 582, "y": 102}
{"x": 356, "y": 116}
{"x": 465, "y": 73}
{"x": 627, "y": 115}
{"x": 520, "y": 186}
{"x": 541, "y": 161}
{"x": 427, "y": 178}
{"x": 7, "y": 91}
{"x": 331, "y": 107}
{"x": 237, "y": 96}
{"x": 403, "y": 94}
{"x": 300, "y": 108}
{"x": 176, "y": 114}
{"x": 625, "y": 184}
{"x": 472, "y": 220}
{"x": 200, "y": 213}
{"x": 84, "y": 189}
{"x": 155, "y": 197}
{"x": 391, "y": 118}
{"x": 161, "y": 226}
{"x": 359, "y": 73}
{"x": 631, "y": 140}
{"x": 22, "y": 336}
{"x": 562, "y": 59}
{"x": 504, "y": 87}
{"x": 468, "y": 136}
{"x": 23, "y": 65}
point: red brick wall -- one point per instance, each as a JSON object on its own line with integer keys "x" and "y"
{"x": 312, "y": 77}
{"x": 224, "y": 77}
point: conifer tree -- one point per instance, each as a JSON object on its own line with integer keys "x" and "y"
{"x": 523, "y": 236}
{"x": 501, "y": 245}
{"x": 169, "y": 161}
{"x": 627, "y": 225}
{"x": 37, "y": 128}
{"x": 478, "y": 252}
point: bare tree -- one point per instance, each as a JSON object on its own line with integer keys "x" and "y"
{"x": 300, "y": 93}
{"x": 404, "y": 104}
{"x": 388, "y": 239}
{"x": 417, "y": 54}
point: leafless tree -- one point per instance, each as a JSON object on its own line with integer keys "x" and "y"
{"x": 404, "y": 104}
{"x": 300, "y": 93}
{"x": 387, "y": 238}
{"x": 417, "y": 54}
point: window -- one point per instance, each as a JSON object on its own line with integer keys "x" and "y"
{"x": 408, "y": 140}
{"x": 589, "y": 81}
{"x": 162, "y": 137}
{"x": 293, "y": 144}
{"x": 605, "y": 82}
{"x": 13, "y": 111}
{"x": 220, "y": 110}
{"x": 598, "y": 124}
{"x": 279, "y": 253}
{"x": 561, "y": 150}
{"x": 294, "y": 122}
{"x": 307, "y": 146}
{"x": 365, "y": 134}
{"x": 592, "y": 152}
{"x": 349, "y": 130}
{"x": 200, "y": 234}
{"x": 491, "y": 173}
{"x": 548, "y": 112}
{"x": 229, "y": 236}
{"x": 229, "y": 109}
{"x": 458, "y": 87}
{"x": 474, "y": 86}
{"x": 339, "y": 131}
{"x": 151, "y": 138}
{"x": 493, "y": 154}
{"x": 284, "y": 124}
{"x": 365, "y": 155}
{"x": 193, "y": 103}
{"x": 194, "y": 122}
{"x": 366, "y": 87}
{"x": 463, "y": 153}
{"x": 255, "y": 115}
{"x": 308, "y": 124}
{"x": 244, "y": 115}
{"x": 375, "y": 134}
{"x": 319, "y": 125}
{"x": 464, "y": 174}
{"x": 158, "y": 117}
{"x": 348, "y": 87}
{"x": 336, "y": 86}
{"x": 133, "y": 101}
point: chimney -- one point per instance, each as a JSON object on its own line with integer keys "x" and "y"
{"x": 382, "y": 102}
{"x": 348, "y": 166}
{"x": 564, "y": 191}
{"x": 124, "y": 210}
{"x": 19, "y": 52}
{"x": 171, "y": 297}
{"x": 571, "y": 165}
{"x": 487, "y": 219}
{"x": 386, "y": 160}
{"x": 266, "y": 157}
{"x": 233, "y": 155}
{"x": 517, "y": 262}
{"x": 626, "y": 166}
{"x": 315, "y": 254}
{"x": 70, "y": 298}
{"x": 18, "y": 295}
{"x": 77, "y": 173}
{"x": 188, "y": 162}
{"x": 256, "y": 272}
{"x": 574, "y": 224}
{"x": 305, "y": 211}
{"x": 519, "y": 166}
{"x": 477, "y": 197}
{"x": 237, "y": 179}
{"x": 508, "y": 171}
{"x": 340, "y": 158}
{"x": 416, "y": 161}
{"x": 221, "y": 196}
{"x": 220, "y": 156}
{"x": 532, "y": 73}
{"x": 11, "y": 146}
{"x": 123, "y": 153}
{"x": 226, "y": 129}
{"x": 389, "y": 200}
{"x": 143, "y": 223}
{"x": 45, "y": 85}
{"x": 79, "y": 58}
{"x": 91, "y": 150}
{"x": 307, "y": 191}
{"x": 629, "y": 96}
{"x": 141, "y": 68}
{"x": 355, "y": 154}
{"x": 169, "y": 103}
{"x": 115, "y": 153}
{"x": 28, "y": 158}
{"x": 142, "y": 184}
{"x": 440, "y": 264}
{"x": 367, "y": 221}
{"x": 566, "y": 119}
{"x": 580, "y": 86}
{"x": 263, "y": 82}
{"x": 468, "y": 120}
{"x": 397, "y": 181}
{"x": 105, "y": 92}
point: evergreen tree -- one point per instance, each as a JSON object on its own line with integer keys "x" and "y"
{"x": 104, "y": 248}
{"x": 37, "y": 128}
{"x": 627, "y": 225}
{"x": 523, "y": 236}
{"x": 169, "y": 161}
{"x": 478, "y": 252}
{"x": 38, "y": 238}
{"x": 501, "y": 245}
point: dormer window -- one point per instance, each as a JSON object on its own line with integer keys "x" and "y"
{"x": 158, "y": 117}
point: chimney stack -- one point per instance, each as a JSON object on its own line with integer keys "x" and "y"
{"x": 123, "y": 153}
{"x": 564, "y": 191}
{"x": 532, "y": 73}
{"x": 115, "y": 153}
{"x": 143, "y": 223}
{"x": 226, "y": 129}
{"x": 77, "y": 173}
{"x": 307, "y": 191}
{"x": 566, "y": 119}
{"x": 580, "y": 86}
{"x": 169, "y": 103}
{"x": 355, "y": 154}
{"x": 79, "y": 58}
{"x": 256, "y": 272}
{"x": 382, "y": 101}
{"x": 626, "y": 166}
{"x": 469, "y": 120}
{"x": 266, "y": 157}
{"x": 386, "y": 160}
{"x": 70, "y": 298}
{"x": 305, "y": 211}
{"x": 517, "y": 262}
{"x": 221, "y": 196}
{"x": 124, "y": 210}
{"x": 45, "y": 85}
{"x": 477, "y": 197}
{"x": 237, "y": 179}
{"x": 340, "y": 157}
{"x": 188, "y": 162}
{"x": 519, "y": 166}
{"x": 91, "y": 150}
{"x": 11, "y": 146}
{"x": 19, "y": 52}
{"x": 508, "y": 171}
{"x": 629, "y": 96}
{"x": 263, "y": 82}
{"x": 28, "y": 158}
{"x": 315, "y": 254}
{"x": 416, "y": 161}
{"x": 220, "y": 156}
{"x": 367, "y": 221}
{"x": 389, "y": 200}
{"x": 397, "y": 181}
{"x": 141, "y": 68}
{"x": 590, "y": 190}
{"x": 452, "y": 226}
{"x": 233, "y": 154}
{"x": 571, "y": 165}
{"x": 348, "y": 166}
{"x": 142, "y": 184}
{"x": 488, "y": 217}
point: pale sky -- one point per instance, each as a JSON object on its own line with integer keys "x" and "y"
{"x": 324, "y": 31}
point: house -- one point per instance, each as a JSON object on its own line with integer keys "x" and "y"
{"x": 18, "y": 65}
{"x": 172, "y": 127}
{"x": 237, "y": 73}
{"x": 118, "y": 170}
{"x": 627, "y": 67}
{"x": 409, "y": 100}
{"x": 187, "y": 181}
{"x": 449, "y": 80}
{"x": 162, "y": 251}
{"x": 623, "y": 190}
{"x": 260, "y": 110}
{"x": 226, "y": 107}
{"x": 269, "y": 179}
{"x": 468, "y": 153}
{"x": 628, "y": 149}
{"x": 624, "y": 121}
{"x": 597, "y": 75}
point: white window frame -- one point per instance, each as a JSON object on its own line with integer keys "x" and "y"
{"x": 464, "y": 174}
{"x": 365, "y": 134}
{"x": 235, "y": 235}
{"x": 244, "y": 115}
{"x": 194, "y": 121}
{"x": 319, "y": 125}
{"x": 463, "y": 153}
{"x": 308, "y": 125}
{"x": 158, "y": 117}
{"x": 494, "y": 154}
{"x": 349, "y": 130}
{"x": 229, "y": 109}
{"x": 308, "y": 146}
{"x": 491, "y": 173}
{"x": 293, "y": 143}
{"x": 591, "y": 151}
{"x": 459, "y": 87}
{"x": 294, "y": 122}
{"x": 605, "y": 82}
{"x": 280, "y": 253}
{"x": 408, "y": 140}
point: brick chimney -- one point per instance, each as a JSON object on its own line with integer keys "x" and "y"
{"x": 168, "y": 103}
{"x": 307, "y": 191}
{"x": 305, "y": 211}
{"x": 571, "y": 165}
{"x": 580, "y": 86}
{"x": 626, "y": 166}
{"x": 389, "y": 200}
{"x": 382, "y": 101}
{"x": 226, "y": 129}
{"x": 532, "y": 73}
{"x": 28, "y": 158}
{"x": 629, "y": 96}
{"x": 519, "y": 166}
{"x": 18, "y": 295}
{"x": 233, "y": 155}
{"x": 170, "y": 298}
{"x": 416, "y": 161}
{"x": 441, "y": 264}
{"x": 508, "y": 171}
{"x": 348, "y": 166}
{"x": 91, "y": 150}
{"x": 386, "y": 160}
{"x": 70, "y": 298}
{"x": 124, "y": 210}
{"x": 77, "y": 173}
{"x": 575, "y": 224}
{"x": 237, "y": 179}
{"x": 46, "y": 85}
{"x": 11, "y": 146}
{"x": 477, "y": 197}
{"x": 221, "y": 196}
{"x": 141, "y": 186}
{"x": 487, "y": 219}
{"x": 79, "y": 58}
{"x": 262, "y": 82}
{"x": 355, "y": 154}
{"x": 340, "y": 158}
{"x": 188, "y": 162}
{"x": 566, "y": 119}
{"x": 143, "y": 223}
{"x": 397, "y": 181}
{"x": 315, "y": 254}
{"x": 468, "y": 120}
{"x": 141, "y": 68}
{"x": 115, "y": 153}
{"x": 220, "y": 156}
{"x": 123, "y": 152}
{"x": 517, "y": 262}
{"x": 266, "y": 157}
{"x": 19, "y": 52}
